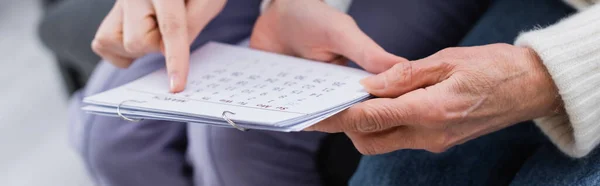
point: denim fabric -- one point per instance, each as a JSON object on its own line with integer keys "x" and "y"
{"x": 517, "y": 155}
{"x": 548, "y": 166}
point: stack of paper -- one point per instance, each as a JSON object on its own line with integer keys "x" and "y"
{"x": 239, "y": 87}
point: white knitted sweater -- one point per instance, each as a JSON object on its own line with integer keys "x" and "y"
{"x": 570, "y": 50}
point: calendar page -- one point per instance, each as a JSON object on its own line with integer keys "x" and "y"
{"x": 260, "y": 87}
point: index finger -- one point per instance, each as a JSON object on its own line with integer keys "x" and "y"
{"x": 171, "y": 18}
{"x": 379, "y": 114}
{"x": 354, "y": 44}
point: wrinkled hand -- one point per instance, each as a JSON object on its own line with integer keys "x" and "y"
{"x": 448, "y": 98}
{"x": 134, "y": 28}
{"x": 312, "y": 29}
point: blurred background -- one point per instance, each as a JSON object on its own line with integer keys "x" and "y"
{"x": 34, "y": 146}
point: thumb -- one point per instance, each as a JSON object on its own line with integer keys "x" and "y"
{"x": 199, "y": 13}
{"x": 265, "y": 39}
{"x": 405, "y": 77}
{"x": 266, "y": 36}
{"x": 354, "y": 44}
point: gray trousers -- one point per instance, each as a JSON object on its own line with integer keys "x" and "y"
{"x": 150, "y": 153}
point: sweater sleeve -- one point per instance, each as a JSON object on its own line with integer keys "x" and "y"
{"x": 570, "y": 50}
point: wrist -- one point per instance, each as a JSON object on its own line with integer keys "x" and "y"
{"x": 548, "y": 101}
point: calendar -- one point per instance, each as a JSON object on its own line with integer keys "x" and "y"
{"x": 233, "y": 86}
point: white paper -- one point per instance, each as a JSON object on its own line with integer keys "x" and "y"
{"x": 261, "y": 88}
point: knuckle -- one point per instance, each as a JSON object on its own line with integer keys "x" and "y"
{"x": 169, "y": 25}
{"x": 98, "y": 47}
{"x": 98, "y": 44}
{"x": 373, "y": 119}
{"x": 445, "y": 66}
{"x": 402, "y": 74}
{"x": 106, "y": 39}
{"x": 357, "y": 122}
{"x": 404, "y": 114}
{"x": 134, "y": 45}
{"x": 103, "y": 41}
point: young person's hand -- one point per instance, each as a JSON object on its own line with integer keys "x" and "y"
{"x": 312, "y": 29}
{"x": 134, "y": 28}
{"x": 453, "y": 96}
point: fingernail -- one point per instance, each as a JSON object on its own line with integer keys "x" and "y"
{"x": 173, "y": 82}
{"x": 373, "y": 82}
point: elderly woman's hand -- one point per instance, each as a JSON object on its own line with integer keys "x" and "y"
{"x": 312, "y": 29}
{"x": 447, "y": 99}
{"x": 134, "y": 28}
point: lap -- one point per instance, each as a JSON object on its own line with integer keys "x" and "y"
{"x": 489, "y": 160}
{"x": 117, "y": 152}
{"x": 224, "y": 156}
{"x": 548, "y": 166}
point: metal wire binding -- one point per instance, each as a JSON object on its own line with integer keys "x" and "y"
{"x": 224, "y": 115}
